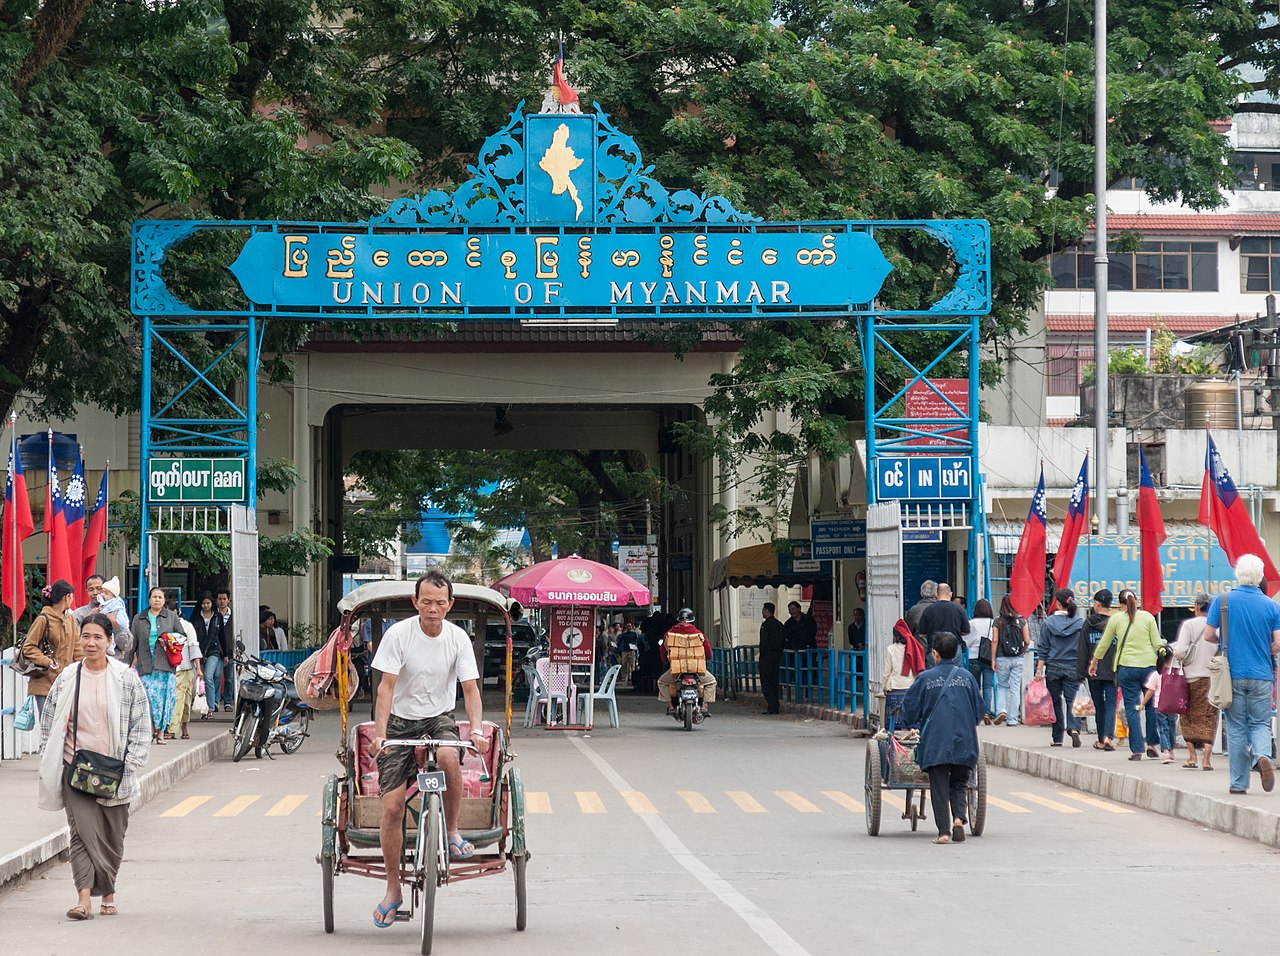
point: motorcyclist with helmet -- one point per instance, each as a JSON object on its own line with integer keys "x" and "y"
{"x": 686, "y": 650}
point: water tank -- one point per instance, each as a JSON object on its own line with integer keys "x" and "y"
{"x": 1214, "y": 402}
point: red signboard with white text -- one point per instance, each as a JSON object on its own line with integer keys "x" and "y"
{"x": 573, "y": 639}
{"x": 924, "y": 402}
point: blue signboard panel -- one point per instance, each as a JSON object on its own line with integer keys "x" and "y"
{"x": 840, "y": 539}
{"x": 924, "y": 478}
{"x": 1112, "y": 561}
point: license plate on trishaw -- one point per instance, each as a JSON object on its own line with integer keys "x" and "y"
{"x": 431, "y": 781}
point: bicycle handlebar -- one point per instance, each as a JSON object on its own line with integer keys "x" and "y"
{"x": 427, "y": 742}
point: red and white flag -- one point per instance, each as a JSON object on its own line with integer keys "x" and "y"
{"x": 96, "y": 530}
{"x": 1151, "y": 528}
{"x": 18, "y": 526}
{"x": 1026, "y": 580}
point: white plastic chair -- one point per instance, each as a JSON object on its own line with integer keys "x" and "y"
{"x": 553, "y": 683}
{"x": 587, "y": 707}
{"x": 530, "y": 682}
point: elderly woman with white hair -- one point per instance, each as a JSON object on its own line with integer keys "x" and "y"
{"x": 1247, "y": 625}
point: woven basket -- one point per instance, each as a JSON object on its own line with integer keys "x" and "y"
{"x": 302, "y": 682}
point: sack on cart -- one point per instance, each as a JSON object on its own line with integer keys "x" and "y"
{"x": 905, "y": 770}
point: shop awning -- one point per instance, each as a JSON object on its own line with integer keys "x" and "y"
{"x": 760, "y": 566}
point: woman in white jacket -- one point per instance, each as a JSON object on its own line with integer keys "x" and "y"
{"x": 97, "y": 704}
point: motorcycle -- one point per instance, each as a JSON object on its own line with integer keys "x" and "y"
{"x": 268, "y": 710}
{"x": 688, "y": 704}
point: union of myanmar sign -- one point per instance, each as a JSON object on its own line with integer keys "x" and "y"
{"x": 561, "y": 219}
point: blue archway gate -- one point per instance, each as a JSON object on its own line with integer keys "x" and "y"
{"x": 561, "y": 221}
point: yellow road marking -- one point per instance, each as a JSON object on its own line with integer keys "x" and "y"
{"x": 746, "y": 803}
{"x": 696, "y": 801}
{"x": 537, "y": 801}
{"x": 844, "y": 800}
{"x": 1093, "y": 801}
{"x": 186, "y": 806}
{"x": 1005, "y": 805}
{"x": 238, "y": 805}
{"x": 589, "y": 801}
{"x": 287, "y": 805}
{"x": 893, "y": 800}
{"x": 638, "y": 802}
{"x": 1046, "y": 802}
{"x": 795, "y": 801}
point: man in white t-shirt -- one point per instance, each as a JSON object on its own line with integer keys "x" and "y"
{"x": 422, "y": 659}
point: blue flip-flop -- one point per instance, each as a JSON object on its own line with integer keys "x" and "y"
{"x": 460, "y": 849}
{"x": 384, "y": 912}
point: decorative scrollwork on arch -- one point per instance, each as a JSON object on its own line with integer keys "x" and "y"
{"x": 969, "y": 243}
{"x": 152, "y": 241}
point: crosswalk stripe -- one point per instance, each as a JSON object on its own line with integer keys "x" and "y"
{"x": 589, "y": 801}
{"x": 1005, "y": 805}
{"x": 844, "y": 800}
{"x": 1093, "y": 801}
{"x": 893, "y": 800}
{"x": 795, "y": 801}
{"x": 536, "y": 801}
{"x": 238, "y": 805}
{"x": 746, "y": 803}
{"x": 638, "y": 802}
{"x": 186, "y": 806}
{"x": 696, "y": 801}
{"x": 286, "y": 805}
{"x": 1046, "y": 802}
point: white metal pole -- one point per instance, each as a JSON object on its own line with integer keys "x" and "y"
{"x": 1100, "y": 261}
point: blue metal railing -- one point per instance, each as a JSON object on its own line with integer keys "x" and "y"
{"x": 289, "y": 660}
{"x": 828, "y": 678}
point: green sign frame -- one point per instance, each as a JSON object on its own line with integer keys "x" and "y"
{"x": 189, "y": 481}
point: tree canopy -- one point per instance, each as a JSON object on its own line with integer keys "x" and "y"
{"x": 800, "y": 109}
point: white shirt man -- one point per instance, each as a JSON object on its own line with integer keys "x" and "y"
{"x": 422, "y": 660}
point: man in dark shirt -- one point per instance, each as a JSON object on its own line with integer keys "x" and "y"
{"x": 773, "y": 640}
{"x": 801, "y": 629}
{"x": 858, "y": 630}
{"x": 942, "y": 615}
{"x": 928, "y": 596}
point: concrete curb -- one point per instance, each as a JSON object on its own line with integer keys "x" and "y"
{"x": 151, "y": 784}
{"x": 1250, "y": 823}
{"x": 807, "y": 711}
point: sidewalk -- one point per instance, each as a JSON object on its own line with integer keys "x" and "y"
{"x": 32, "y": 837}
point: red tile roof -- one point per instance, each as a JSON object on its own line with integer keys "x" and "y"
{"x": 1221, "y": 125}
{"x": 1064, "y": 322}
{"x": 1195, "y": 224}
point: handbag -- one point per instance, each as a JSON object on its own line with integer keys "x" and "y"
{"x": 1219, "y": 669}
{"x": 1175, "y": 696}
{"x": 93, "y": 773}
{"x": 1037, "y": 705}
{"x": 25, "y": 719}
{"x": 1082, "y": 705}
{"x": 24, "y": 666}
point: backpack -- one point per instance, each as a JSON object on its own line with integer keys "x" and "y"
{"x": 1010, "y": 640}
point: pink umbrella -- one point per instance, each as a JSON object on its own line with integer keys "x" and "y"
{"x": 572, "y": 581}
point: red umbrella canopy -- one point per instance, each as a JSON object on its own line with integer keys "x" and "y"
{"x": 572, "y": 580}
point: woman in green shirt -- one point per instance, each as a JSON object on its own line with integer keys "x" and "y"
{"x": 1139, "y": 642}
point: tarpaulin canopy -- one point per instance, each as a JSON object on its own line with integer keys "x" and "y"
{"x": 761, "y": 566}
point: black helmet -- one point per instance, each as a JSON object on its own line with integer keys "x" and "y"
{"x": 685, "y": 616}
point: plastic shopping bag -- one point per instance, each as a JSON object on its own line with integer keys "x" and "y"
{"x": 200, "y": 706}
{"x": 1082, "y": 706}
{"x": 1122, "y": 727}
{"x": 1037, "y": 705}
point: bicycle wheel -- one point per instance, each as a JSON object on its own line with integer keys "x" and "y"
{"x": 246, "y": 731}
{"x": 872, "y": 784}
{"x": 978, "y": 798}
{"x": 291, "y": 741}
{"x": 328, "y": 848}
{"x": 430, "y": 835}
{"x": 519, "y": 852}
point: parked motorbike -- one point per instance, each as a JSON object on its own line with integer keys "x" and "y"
{"x": 268, "y": 710}
{"x": 688, "y": 703}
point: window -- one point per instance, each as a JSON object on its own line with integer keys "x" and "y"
{"x": 1258, "y": 170}
{"x": 1063, "y": 367}
{"x": 1260, "y": 265}
{"x": 1166, "y": 266}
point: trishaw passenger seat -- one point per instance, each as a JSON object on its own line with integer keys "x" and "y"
{"x": 473, "y": 770}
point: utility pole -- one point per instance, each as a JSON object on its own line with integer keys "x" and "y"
{"x": 1100, "y": 263}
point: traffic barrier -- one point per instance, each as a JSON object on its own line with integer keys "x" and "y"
{"x": 824, "y": 677}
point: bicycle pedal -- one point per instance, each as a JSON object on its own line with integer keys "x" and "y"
{"x": 402, "y": 916}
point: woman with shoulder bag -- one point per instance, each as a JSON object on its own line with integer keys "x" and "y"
{"x": 1009, "y": 643}
{"x": 159, "y": 677}
{"x": 978, "y": 641}
{"x": 1138, "y": 639}
{"x": 53, "y": 641}
{"x": 96, "y": 732}
{"x": 1200, "y": 722}
{"x": 1056, "y": 662}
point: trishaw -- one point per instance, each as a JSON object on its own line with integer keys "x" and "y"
{"x": 891, "y": 765}
{"x": 493, "y": 810}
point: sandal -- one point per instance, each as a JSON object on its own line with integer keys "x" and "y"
{"x": 107, "y": 909}
{"x": 1099, "y": 745}
{"x": 186, "y": 736}
{"x": 79, "y": 913}
{"x": 388, "y": 914}
{"x": 942, "y": 838}
{"x": 1191, "y": 764}
{"x": 460, "y": 849}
